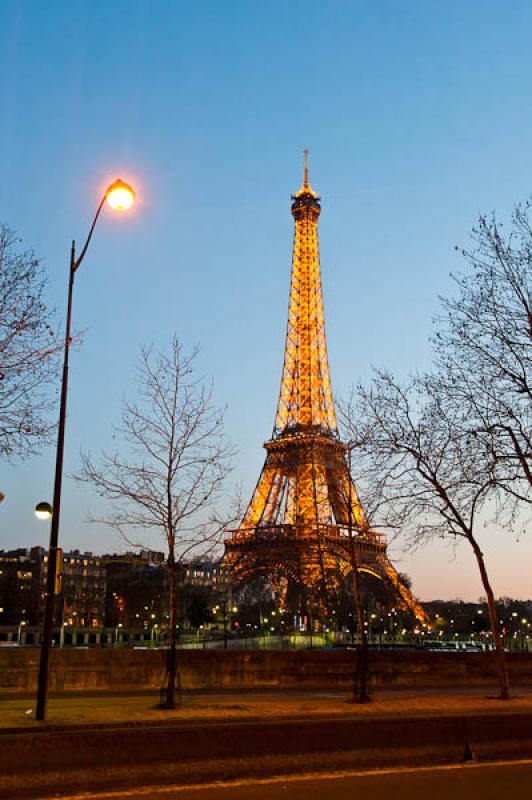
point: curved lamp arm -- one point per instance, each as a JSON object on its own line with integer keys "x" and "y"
{"x": 77, "y": 263}
{"x": 127, "y": 194}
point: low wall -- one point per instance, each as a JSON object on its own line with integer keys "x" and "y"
{"x": 55, "y": 762}
{"x": 123, "y": 670}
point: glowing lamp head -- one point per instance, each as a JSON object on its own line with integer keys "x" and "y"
{"x": 43, "y": 511}
{"x": 120, "y": 196}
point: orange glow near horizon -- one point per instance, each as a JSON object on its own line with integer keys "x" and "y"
{"x": 120, "y": 196}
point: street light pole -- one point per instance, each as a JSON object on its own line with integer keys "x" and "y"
{"x": 48, "y": 617}
{"x": 49, "y": 600}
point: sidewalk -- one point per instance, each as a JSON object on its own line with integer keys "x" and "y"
{"x": 103, "y": 741}
{"x": 134, "y": 709}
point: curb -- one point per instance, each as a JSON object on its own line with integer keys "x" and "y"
{"x": 47, "y": 762}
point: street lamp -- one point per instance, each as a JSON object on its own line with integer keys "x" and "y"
{"x": 21, "y": 624}
{"x": 117, "y": 631}
{"x": 43, "y": 511}
{"x": 120, "y": 196}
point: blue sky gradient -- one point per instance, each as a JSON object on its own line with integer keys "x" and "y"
{"x": 417, "y": 116}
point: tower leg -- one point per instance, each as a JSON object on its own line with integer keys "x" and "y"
{"x": 403, "y": 591}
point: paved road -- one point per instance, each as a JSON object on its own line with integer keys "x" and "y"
{"x": 486, "y": 781}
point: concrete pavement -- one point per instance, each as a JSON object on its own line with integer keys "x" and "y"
{"x": 140, "y": 707}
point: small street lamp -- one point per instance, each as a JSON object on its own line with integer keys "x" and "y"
{"x": 226, "y": 617}
{"x": 119, "y": 196}
{"x": 117, "y": 631}
{"x": 153, "y": 636}
{"x": 21, "y": 625}
{"x": 43, "y": 511}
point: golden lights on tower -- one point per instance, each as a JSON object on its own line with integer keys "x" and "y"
{"x": 296, "y": 526}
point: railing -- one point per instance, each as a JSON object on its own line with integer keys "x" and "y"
{"x": 374, "y": 539}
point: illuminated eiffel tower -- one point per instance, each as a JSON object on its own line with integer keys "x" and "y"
{"x": 296, "y": 530}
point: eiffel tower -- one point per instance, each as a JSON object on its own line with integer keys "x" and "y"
{"x": 305, "y": 515}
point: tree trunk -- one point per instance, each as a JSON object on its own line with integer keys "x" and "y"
{"x": 500, "y": 656}
{"x": 360, "y": 684}
{"x": 172, "y": 671}
{"x": 360, "y": 677}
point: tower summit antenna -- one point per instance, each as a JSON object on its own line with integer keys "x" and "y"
{"x": 305, "y": 178}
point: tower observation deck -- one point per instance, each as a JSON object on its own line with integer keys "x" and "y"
{"x": 305, "y": 516}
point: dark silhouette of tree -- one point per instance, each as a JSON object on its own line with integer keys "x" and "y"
{"x": 255, "y": 597}
{"x": 484, "y": 350}
{"x": 171, "y": 472}
{"x": 421, "y": 474}
{"x": 28, "y": 349}
{"x": 198, "y": 605}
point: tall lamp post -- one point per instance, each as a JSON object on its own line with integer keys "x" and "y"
{"x": 120, "y": 197}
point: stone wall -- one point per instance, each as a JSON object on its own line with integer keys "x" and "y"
{"x": 116, "y": 670}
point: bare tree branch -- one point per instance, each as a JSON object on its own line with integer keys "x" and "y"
{"x": 484, "y": 350}
{"x": 420, "y": 471}
{"x": 172, "y": 474}
{"x": 28, "y": 351}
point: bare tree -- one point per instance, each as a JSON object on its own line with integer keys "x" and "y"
{"x": 484, "y": 349}
{"x": 360, "y": 678}
{"x": 173, "y": 474}
{"x": 423, "y": 476}
{"x": 28, "y": 346}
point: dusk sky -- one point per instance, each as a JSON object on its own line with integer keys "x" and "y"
{"x": 417, "y": 115}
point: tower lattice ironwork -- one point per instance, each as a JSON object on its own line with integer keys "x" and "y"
{"x": 305, "y": 513}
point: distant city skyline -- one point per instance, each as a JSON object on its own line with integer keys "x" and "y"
{"x": 417, "y": 119}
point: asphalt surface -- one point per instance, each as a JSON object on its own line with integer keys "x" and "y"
{"x": 467, "y": 782}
